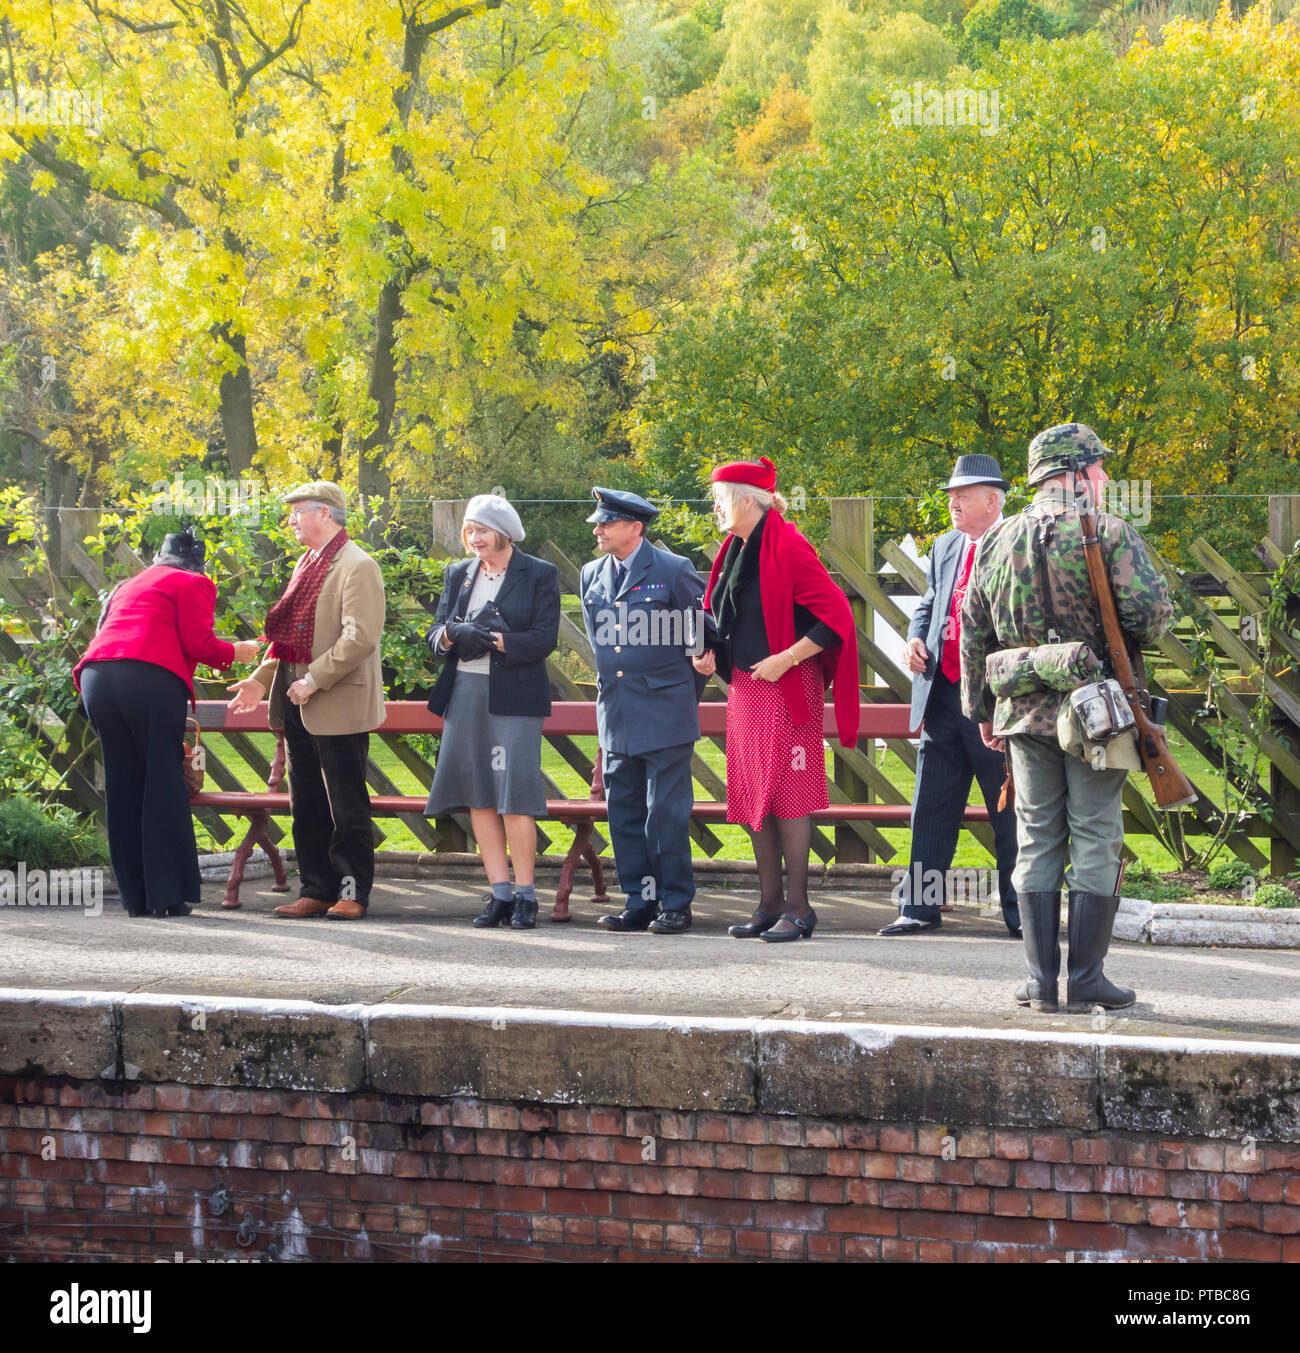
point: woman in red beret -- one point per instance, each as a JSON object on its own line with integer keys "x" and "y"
{"x": 786, "y": 634}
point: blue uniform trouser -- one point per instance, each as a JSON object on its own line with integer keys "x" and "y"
{"x": 650, "y": 798}
{"x": 952, "y": 754}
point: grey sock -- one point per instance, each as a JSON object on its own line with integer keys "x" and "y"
{"x": 526, "y": 892}
{"x": 502, "y": 892}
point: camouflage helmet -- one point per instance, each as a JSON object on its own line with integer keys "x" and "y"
{"x": 1053, "y": 450}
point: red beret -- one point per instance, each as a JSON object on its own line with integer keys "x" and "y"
{"x": 760, "y": 474}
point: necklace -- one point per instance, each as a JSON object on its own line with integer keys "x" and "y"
{"x": 490, "y": 575}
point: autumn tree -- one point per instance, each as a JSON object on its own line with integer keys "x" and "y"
{"x": 1119, "y": 248}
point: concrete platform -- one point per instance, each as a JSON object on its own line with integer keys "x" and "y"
{"x": 418, "y": 948}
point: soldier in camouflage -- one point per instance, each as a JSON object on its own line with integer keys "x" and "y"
{"x": 1029, "y": 591}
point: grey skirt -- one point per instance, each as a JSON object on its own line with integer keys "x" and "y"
{"x": 487, "y": 760}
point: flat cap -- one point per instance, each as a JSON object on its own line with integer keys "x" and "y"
{"x": 322, "y": 491}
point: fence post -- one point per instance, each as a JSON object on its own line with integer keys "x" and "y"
{"x": 1284, "y": 531}
{"x": 445, "y": 517}
{"x": 852, "y": 530}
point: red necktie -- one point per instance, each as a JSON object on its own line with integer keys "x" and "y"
{"x": 952, "y": 640}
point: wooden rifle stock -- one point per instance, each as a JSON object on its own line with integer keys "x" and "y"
{"x": 1172, "y": 788}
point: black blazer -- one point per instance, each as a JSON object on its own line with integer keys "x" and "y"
{"x": 529, "y": 600}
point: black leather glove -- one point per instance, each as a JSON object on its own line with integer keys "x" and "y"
{"x": 468, "y": 639}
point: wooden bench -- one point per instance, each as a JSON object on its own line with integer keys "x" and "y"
{"x": 568, "y": 719}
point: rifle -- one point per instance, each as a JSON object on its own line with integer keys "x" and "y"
{"x": 1172, "y": 788}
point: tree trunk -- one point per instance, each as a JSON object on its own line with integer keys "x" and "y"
{"x": 237, "y": 426}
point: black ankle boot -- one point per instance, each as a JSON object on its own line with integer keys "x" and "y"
{"x": 523, "y": 916}
{"x": 497, "y": 909}
{"x": 1092, "y": 918}
{"x": 1040, "y": 920}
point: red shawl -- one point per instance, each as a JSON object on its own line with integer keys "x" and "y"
{"x": 789, "y": 571}
{"x": 291, "y": 622}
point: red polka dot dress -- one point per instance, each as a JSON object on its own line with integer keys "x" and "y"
{"x": 773, "y": 768}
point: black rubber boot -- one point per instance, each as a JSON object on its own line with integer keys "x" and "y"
{"x": 496, "y": 910}
{"x": 1092, "y": 917}
{"x": 1040, "y": 919}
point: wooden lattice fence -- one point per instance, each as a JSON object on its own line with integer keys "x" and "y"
{"x": 1225, "y": 614}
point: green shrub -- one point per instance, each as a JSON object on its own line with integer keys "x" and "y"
{"x": 55, "y": 838}
{"x": 1140, "y": 873}
{"x": 1276, "y": 895}
{"x": 1229, "y": 874}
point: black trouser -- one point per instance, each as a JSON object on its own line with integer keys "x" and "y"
{"x": 138, "y": 710}
{"x": 951, "y": 754}
{"x": 332, "y": 832}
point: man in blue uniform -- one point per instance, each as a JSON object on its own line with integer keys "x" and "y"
{"x": 642, "y": 609}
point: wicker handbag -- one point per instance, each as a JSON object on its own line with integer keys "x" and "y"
{"x": 192, "y": 760}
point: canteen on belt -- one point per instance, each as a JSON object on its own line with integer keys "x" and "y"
{"x": 1102, "y": 710}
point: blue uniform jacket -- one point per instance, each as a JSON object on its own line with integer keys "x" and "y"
{"x": 646, "y": 688}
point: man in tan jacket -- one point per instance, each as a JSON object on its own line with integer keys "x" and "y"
{"x": 327, "y": 694}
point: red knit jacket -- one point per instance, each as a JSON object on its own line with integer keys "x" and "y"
{"x": 789, "y": 571}
{"x": 164, "y": 616}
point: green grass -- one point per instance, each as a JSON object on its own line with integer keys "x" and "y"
{"x": 735, "y": 839}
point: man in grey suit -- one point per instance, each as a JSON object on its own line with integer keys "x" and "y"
{"x": 642, "y": 609}
{"x": 951, "y": 752}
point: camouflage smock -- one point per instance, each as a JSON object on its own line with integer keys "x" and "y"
{"x": 1005, "y": 608}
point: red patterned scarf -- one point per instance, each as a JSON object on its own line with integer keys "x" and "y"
{"x": 291, "y": 622}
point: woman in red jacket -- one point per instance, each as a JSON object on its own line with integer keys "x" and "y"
{"x": 786, "y": 633}
{"x": 136, "y": 678}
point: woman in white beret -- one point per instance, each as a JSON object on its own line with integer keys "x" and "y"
{"x": 497, "y": 621}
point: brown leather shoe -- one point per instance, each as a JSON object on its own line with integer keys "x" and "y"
{"x": 304, "y": 906}
{"x": 346, "y": 910}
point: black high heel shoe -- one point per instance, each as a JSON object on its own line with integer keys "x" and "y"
{"x": 803, "y": 929}
{"x": 749, "y": 930}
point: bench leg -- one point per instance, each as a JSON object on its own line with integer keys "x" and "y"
{"x": 581, "y": 844}
{"x": 236, "y": 876}
{"x": 598, "y": 894}
{"x": 258, "y": 834}
{"x": 281, "y": 884}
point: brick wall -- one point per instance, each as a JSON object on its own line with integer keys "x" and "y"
{"x": 91, "y": 1168}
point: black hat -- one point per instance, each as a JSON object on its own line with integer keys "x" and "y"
{"x": 976, "y": 470}
{"x": 181, "y": 550}
{"x": 620, "y": 505}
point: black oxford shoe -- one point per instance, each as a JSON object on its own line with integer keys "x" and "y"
{"x": 672, "y": 922}
{"x": 627, "y": 920}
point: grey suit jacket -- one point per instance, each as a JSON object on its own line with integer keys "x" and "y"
{"x": 928, "y": 621}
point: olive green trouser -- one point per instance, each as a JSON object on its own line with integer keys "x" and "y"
{"x": 1060, "y": 799}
